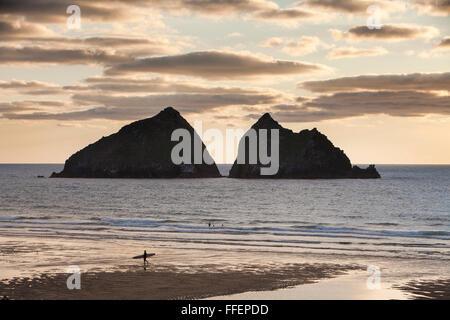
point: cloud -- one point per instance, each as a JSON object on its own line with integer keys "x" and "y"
{"x": 439, "y": 50}
{"x": 94, "y": 113}
{"x": 356, "y": 104}
{"x": 28, "y": 105}
{"x": 285, "y": 108}
{"x": 354, "y": 6}
{"x": 157, "y": 85}
{"x": 433, "y": 7}
{"x": 397, "y": 103}
{"x": 304, "y": 46}
{"x": 234, "y": 35}
{"x": 26, "y": 27}
{"x": 130, "y": 46}
{"x": 38, "y": 55}
{"x": 352, "y": 52}
{"x": 31, "y": 87}
{"x": 413, "y": 81}
{"x": 186, "y": 102}
{"x": 272, "y": 42}
{"x": 104, "y": 98}
{"x": 98, "y": 11}
{"x": 409, "y": 95}
{"x": 403, "y": 95}
{"x": 212, "y": 8}
{"x": 16, "y": 106}
{"x": 11, "y": 30}
{"x": 54, "y": 11}
{"x": 21, "y": 33}
{"x": 392, "y": 32}
{"x": 252, "y": 9}
{"x": 443, "y": 45}
{"x": 287, "y": 17}
{"x": 215, "y": 65}
{"x": 136, "y": 107}
{"x": 119, "y": 85}
{"x": 32, "y": 34}
{"x": 110, "y": 41}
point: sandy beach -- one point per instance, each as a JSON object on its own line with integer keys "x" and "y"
{"x": 290, "y": 282}
{"x": 34, "y": 269}
{"x": 170, "y": 284}
{"x": 438, "y": 289}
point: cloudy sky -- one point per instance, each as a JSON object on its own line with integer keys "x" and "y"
{"x": 381, "y": 94}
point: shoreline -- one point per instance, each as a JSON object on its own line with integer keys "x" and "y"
{"x": 425, "y": 289}
{"x": 171, "y": 283}
{"x": 350, "y": 286}
{"x": 36, "y": 268}
{"x": 288, "y": 282}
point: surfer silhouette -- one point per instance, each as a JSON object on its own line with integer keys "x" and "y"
{"x": 145, "y": 256}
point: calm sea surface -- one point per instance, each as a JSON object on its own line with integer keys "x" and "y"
{"x": 405, "y": 214}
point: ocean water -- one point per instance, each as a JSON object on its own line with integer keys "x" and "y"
{"x": 405, "y": 214}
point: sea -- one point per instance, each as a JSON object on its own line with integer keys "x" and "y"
{"x": 405, "y": 214}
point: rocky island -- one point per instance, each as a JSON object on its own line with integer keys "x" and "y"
{"x": 141, "y": 149}
{"x": 304, "y": 155}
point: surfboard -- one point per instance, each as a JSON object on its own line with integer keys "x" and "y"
{"x": 142, "y": 256}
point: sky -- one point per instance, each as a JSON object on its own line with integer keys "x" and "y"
{"x": 374, "y": 76}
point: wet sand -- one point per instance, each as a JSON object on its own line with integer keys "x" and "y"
{"x": 351, "y": 286}
{"x": 36, "y": 268}
{"x": 170, "y": 284}
{"x": 288, "y": 282}
{"x": 438, "y": 289}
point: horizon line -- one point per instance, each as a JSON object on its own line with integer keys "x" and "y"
{"x": 361, "y": 163}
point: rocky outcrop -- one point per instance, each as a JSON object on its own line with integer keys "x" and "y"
{"x": 139, "y": 150}
{"x": 304, "y": 155}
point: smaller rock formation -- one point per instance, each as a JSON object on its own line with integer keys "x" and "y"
{"x": 304, "y": 155}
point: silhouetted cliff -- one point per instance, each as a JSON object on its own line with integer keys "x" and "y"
{"x": 304, "y": 155}
{"x": 139, "y": 150}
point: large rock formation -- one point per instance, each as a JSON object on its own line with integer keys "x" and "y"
{"x": 139, "y": 150}
{"x": 304, "y": 155}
